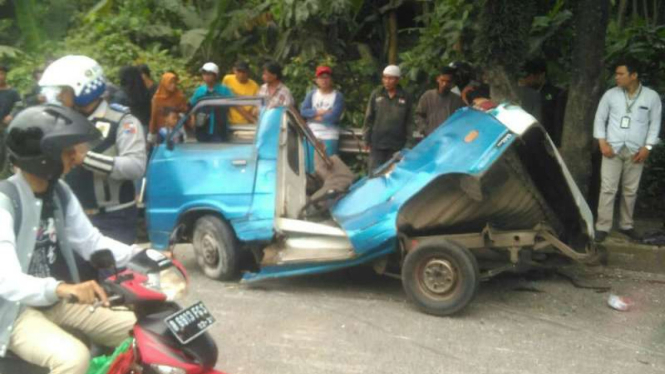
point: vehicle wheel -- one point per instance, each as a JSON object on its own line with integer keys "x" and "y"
{"x": 216, "y": 248}
{"x": 440, "y": 277}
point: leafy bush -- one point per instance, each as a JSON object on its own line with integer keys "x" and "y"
{"x": 111, "y": 40}
{"x": 442, "y": 38}
{"x": 643, "y": 42}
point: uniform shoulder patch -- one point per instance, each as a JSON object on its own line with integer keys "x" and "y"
{"x": 129, "y": 128}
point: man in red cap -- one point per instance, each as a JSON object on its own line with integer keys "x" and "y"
{"x": 322, "y": 108}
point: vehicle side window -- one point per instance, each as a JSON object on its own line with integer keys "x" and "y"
{"x": 211, "y": 124}
{"x": 293, "y": 150}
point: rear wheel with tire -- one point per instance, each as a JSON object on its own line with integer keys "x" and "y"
{"x": 440, "y": 277}
{"x": 216, "y": 248}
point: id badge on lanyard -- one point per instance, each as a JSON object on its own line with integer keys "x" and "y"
{"x": 625, "y": 122}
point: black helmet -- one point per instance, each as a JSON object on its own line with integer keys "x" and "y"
{"x": 38, "y": 135}
{"x": 465, "y": 73}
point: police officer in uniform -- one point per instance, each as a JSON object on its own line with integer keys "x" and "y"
{"x": 105, "y": 183}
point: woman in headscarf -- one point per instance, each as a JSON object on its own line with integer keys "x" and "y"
{"x": 168, "y": 95}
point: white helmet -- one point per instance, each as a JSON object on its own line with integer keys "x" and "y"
{"x": 210, "y": 67}
{"x": 83, "y": 74}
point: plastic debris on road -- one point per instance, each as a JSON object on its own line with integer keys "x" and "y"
{"x": 620, "y": 303}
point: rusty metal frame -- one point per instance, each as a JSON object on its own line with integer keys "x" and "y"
{"x": 539, "y": 238}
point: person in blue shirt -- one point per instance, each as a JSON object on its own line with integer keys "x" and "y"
{"x": 172, "y": 117}
{"x": 214, "y": 129}
{"x": 322, "y": 108}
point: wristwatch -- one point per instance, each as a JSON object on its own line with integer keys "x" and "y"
{"x": 649, "y": 147}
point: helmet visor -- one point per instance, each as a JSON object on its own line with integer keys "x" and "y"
{"x": 52, "y": 94}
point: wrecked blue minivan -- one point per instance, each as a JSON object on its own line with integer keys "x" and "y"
{"x": 485, "y": 193}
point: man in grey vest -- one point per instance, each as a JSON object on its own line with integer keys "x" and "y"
{"x": 105, "y": 183}
{"x": 42, "y": 225}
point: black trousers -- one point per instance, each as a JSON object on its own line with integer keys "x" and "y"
{"x": 119, "y": 225}
{"x": 378, "y": 157}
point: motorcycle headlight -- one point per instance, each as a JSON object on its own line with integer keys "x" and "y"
{"x": 164, "y": 369}
{"x": 169, "y": 281}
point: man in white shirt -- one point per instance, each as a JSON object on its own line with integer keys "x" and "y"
{"x": 323, "y": 108}
{"x": 627, "y": 125}
{"x": 42, "y": 224}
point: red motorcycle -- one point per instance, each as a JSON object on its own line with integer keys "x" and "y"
{"x": 167, "y": 339}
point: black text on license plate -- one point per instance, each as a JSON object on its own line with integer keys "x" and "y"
{"x": 190, "y": 322}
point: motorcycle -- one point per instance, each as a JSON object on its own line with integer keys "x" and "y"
{"x": 167, "y": 339}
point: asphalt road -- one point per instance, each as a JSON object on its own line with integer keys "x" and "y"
{"x": 357, "y": 322}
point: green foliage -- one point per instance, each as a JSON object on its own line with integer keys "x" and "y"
{"x": 9, "y": 33}
{"x": 9, "y": 53}
{"x": 446, "y": 28}
{"x": 441, "y": 39}
{"x": 26, "y": 18}
{"x": 643, "y": 42}
{"x": 284, "y": 29}
{"x": 555, "y": 24}
{"x": 301, "y": 34}
{"x": 550, "y": 38}
{"x": 504, "y": 33}
{"x": 115, "y": 34}
{"x": 20, "y": 76}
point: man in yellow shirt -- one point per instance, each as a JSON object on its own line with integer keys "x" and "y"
{"x": 241, "y": 85}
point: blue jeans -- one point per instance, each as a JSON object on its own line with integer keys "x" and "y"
{"x": 310, "y": 152}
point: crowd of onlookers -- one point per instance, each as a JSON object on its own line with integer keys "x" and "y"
{"x": 626, "y": 126}
{"x": 389, "y": 123}
{"x": 96, "y": 136}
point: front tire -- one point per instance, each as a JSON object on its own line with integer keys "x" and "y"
{"x": 216, "y": 248}
{"x": 440, "y": 277}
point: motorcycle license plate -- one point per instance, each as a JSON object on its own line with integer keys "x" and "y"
{"x": 189, "y": 323}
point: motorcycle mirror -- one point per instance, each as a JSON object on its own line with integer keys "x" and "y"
{"x": 102, "y": 259}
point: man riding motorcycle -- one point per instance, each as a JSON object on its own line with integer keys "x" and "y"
{"x": 105, "y": 183}
{"x": 42, "y": 225}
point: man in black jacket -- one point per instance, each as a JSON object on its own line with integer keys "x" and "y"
{"x": 552, "y": 98}
{"x": 388, "y": 119}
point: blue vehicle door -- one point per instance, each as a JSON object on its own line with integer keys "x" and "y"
{"x": 216, "y": 175}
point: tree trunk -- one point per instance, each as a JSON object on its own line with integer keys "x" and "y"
{"x": 636, "y": 8}
{"x": 425, "y": 11}
{"x": 621, "y": 13}
{"x": 656, "y": 12}
{"x": 392, "y": 37}
{"x": 28, "y": 24}
{"x": 502, "y": 87}
{"x": 502, "y": 44}
{"x": 586, "y": 87}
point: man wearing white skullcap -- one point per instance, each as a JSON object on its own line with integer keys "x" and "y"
{"x": 388, "y": 119}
